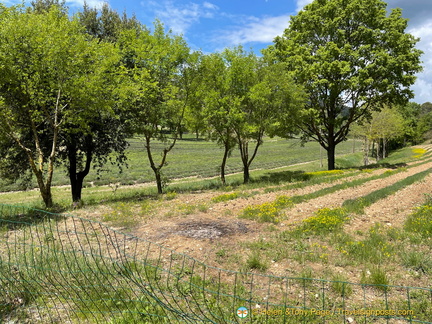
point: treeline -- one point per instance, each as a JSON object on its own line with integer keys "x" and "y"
{"x": 73, "y": 88}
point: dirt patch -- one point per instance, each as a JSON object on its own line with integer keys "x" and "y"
{"x": 207, "y": 229}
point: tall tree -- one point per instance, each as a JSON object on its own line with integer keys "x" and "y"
{"x": 106, "y": 23}
{"x": 352, "y": 57}
{"x": 43, "y": 6}
{"x": 216, "y": 106}
{"x": 45, "y": 64}
{"x": 160, "y": 72}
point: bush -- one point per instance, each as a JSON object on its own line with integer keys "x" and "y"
{"x": 268, "y": 212}
{"x": 325, "y": 220}
{"x": 225, "y": 197}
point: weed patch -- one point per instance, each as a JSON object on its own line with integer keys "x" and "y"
{"x": 255, "y": 261}
{"x": 420, "y": 221}
{"x": 376, "y": 277}
{"x": 418, "y": 153}
{"x": 324, "y": 221}
{"x": 225, "y": 197}
{"x": 267, "y": 212}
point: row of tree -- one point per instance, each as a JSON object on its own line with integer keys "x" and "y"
{"x": 72, "y": 89}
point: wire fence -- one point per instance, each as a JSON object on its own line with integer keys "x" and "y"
{"x": 64, "y": 269}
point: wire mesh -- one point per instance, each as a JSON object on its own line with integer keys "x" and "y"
{"x": 64, "y": 269}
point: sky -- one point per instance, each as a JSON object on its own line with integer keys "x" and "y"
{"x": 212, "y": 25}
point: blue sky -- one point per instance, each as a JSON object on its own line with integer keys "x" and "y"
{"x": 211, "y": 25}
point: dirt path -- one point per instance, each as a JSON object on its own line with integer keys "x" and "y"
{"x": 393, "y": 210}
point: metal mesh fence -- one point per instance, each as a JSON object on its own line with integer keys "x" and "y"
{"x": 64, "y": 269}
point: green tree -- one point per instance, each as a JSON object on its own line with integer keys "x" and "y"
{"x": 93, "y": 138}
{"x": 45, "y": 65}
{"x": 43, "y": 6}
{"x": 244, "y": 97}
{"x": 217, "y": 104}
{"x": 105, "y": 23}
{"x": 352, "y": 57}
{"x": 270, "y": 106}
{"x": 384, "y": 125}
{"x": 160, "y": 74}
{"x": 97, "y": 129}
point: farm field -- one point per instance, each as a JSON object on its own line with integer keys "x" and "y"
{"x": 202, "y": 158}
{"x": 353, "y": 225}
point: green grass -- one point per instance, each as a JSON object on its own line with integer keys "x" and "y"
{"x": 420, "y": 221}
{"x": 325, "y": 220}
{"x": 191, "y": 158}
{"x": 377, "y": 277}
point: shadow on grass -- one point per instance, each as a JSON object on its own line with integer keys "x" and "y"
{"x": 16, "y": 217}
{"x": 281, "y": 177}
{"x": 383, "y": 165}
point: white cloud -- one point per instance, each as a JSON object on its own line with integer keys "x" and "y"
{"x": 91, "y": 3}
{"x": 423, "y": 86}
{"x": 302, "y": 3}
{"x": 258, "y": 30}
{"x": 179, "y": 17}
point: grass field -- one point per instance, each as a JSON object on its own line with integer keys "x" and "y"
{"x": 192, "y": 158}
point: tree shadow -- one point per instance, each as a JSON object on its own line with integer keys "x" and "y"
{"x": 17, "y": 217}
{"x": 383, "y": 165}
{"x": 281, "y": 177}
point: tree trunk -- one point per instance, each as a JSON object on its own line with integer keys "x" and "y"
{"x": 366, "y": 152}
{"x": 45, "y": 190}
{"x": 377, "y": 150}
{"x": 77, "y": 178}
{"x": 47, "y": 197}
{"x": 246, "y": 176}
{"x": 224, "y": 159}
{"x": 158, "y": 177}
{"x": 331, "y": 156}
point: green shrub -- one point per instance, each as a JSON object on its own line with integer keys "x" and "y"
{"x": 324, "y": 221}
{"x": 225, "y": 197}
{"x": 378, "y": 277}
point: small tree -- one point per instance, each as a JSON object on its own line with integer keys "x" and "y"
{"x": 159, "y": 90}
{"x": 243, "y": 97}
